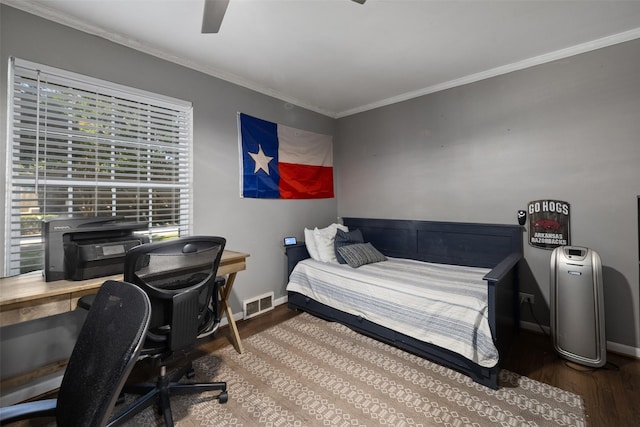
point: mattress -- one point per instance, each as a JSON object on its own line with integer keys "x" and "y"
{"x": 444, "y": 305}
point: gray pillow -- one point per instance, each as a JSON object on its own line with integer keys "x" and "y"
{"x": 344, "y": 238}
{"x": 360, "y": 254}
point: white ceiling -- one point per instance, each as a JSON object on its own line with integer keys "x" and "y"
{"x": 338, "y": 57}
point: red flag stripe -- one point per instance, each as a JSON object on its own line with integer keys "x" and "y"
{"x": 305, "y": 181}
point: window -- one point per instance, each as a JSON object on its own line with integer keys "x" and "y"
{"x": 83, "y": 147}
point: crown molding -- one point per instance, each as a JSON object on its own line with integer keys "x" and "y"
{"x": 40, "y": 9}
{"x": 505, "y": 69}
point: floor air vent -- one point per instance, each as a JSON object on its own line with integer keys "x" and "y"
{"x": 258, "y": 305}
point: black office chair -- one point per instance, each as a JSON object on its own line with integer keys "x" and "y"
{"x": 179, "y": 276}
{"x": 107, "y": 348}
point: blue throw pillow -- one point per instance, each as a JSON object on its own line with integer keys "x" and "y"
{"x": 344, "y": 238}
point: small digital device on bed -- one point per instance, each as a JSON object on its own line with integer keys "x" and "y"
{"x": 288, "y": 241}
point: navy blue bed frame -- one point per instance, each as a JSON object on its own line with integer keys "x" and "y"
{"x": 494, "y": 246}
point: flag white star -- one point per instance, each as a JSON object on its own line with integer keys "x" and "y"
{"x": 261, "y": 159}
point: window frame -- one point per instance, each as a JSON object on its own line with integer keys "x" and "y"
{"x": 177, "y": 149}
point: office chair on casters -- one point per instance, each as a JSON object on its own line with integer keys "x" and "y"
{"x": 179, "y": 276}
{"x": 107, "y": 348}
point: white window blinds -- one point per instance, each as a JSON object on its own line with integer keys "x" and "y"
{"x": 82, "y": 147}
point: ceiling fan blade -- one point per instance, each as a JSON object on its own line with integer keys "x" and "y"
{"x": 212, "y": 16}
{"x": 360, "y": 1}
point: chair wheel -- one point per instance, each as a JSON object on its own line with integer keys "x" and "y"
{"x": 121, "y": 399}
{"x": 190, "y": 373}
{"x": 223, "y": 397}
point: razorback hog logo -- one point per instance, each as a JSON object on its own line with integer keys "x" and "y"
{"x": 547, "y": 224}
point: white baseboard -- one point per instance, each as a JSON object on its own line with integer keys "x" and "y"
{"x": 625, "y": 350}
{"x": 281, "y": 300}
{"x": 239, "y": 316}
{"x": 530, "y": 326}
{"x": 613, "y": 347}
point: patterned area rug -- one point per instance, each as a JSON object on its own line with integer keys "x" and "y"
{"x": 309, "y": 372}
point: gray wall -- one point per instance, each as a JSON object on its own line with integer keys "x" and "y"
{"x": 253, "y": 226}
{"x": 567, "y": 130}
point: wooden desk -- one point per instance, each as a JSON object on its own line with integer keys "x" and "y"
{"x": 230, "y": 264}
{"x": 28, "y": 296}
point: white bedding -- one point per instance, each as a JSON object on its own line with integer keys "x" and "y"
{"x": 441, "y": 304}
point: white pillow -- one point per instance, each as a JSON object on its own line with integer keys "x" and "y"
{"x": 325, "y": 238}
{"x": 310, "y": 243}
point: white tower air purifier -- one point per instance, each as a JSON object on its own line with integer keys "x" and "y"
{"x": 577, "y": 305}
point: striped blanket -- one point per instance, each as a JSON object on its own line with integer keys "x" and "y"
{"x": 441, "y": 304}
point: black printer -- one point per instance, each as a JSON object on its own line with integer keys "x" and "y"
{"x": 84, "y": 248}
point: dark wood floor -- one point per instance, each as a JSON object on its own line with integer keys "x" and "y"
{"x": 611, "y": 394}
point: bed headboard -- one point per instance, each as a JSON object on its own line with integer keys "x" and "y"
{"x": 471, "y": 244}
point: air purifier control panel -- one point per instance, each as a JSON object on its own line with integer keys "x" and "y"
{"x": 574, "y": 253}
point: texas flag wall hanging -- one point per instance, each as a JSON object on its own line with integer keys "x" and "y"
{"x": 281, "y": 162}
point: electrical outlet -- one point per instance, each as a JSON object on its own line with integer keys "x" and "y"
{"x": 526, "y": 298}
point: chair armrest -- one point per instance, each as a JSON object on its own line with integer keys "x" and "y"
{"x": 213, "y": 318}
